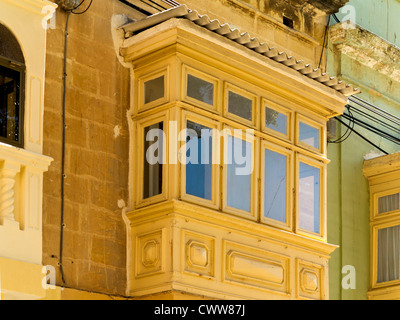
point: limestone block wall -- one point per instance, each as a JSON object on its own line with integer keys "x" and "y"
{"x": 96, "y": 152}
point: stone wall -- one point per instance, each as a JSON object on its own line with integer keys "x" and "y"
{"x": 264, "y": 19}
{"x": 96, "y": 152}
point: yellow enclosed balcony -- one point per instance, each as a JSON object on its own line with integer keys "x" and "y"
{"x": 228, "y": 167}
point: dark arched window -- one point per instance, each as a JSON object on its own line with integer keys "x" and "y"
{"x": 12, "y": 80}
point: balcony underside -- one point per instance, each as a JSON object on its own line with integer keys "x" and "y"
{"x": 178, "y": 246}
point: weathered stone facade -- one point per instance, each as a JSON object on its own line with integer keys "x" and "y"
{"x": 265, "y": 20}
{"x": 96, "y": 154}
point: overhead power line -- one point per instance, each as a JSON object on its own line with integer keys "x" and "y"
{"x": 371, "y": 118}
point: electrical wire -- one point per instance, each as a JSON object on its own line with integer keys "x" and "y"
{"x": 375, "y": 120}
{"x": 374, "y": 130}
{"x": 79, "y": 5}
{"x": 63, "y": 149}
{"x": 375, "y": 109}
{"x": 323, "y": 43}
{"x": 371, "y": 118}
{"x": 347, "y": 133}
{"x": 152, "y": 5}
{"x": 362, "y": 137}
{"x": 336, "y": 18}
{"x": 378, "y": 118}
{"x": 145, "y": 12}
{"x": 82, "y": 12}
{"x": 171, "y": 3}
{"x": 155, "y": 3}
{"x": 64, "y": 125}
{"x": 349, "y": 130}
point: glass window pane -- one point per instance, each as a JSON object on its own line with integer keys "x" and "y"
{"x": 153, "y": 155}
{"x": 309, "y": 135}
{"x": 199, "y": 160}
{"x": 238, "y": 174}
{"x": 200, "y": 89}
{"x": 309, "y": 198}
{"x": 154, "y": 89}
{"x": 240, "y": 106}
{"x": 275, "y": 185}
{"x": 275, "y": 120}
{"x": 388, "y": 203}
{"x": 388, "y": 254}
{"x": 9, "y": 103}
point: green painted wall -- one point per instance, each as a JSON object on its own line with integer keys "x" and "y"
{"x": 380, "y": 17}
{"x": 348, "y": 213}
{"x": 348, "y": 207}
{"x": 348, "y": 194}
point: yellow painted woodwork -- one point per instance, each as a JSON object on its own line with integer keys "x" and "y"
{"x": 202, "y": 247}
{"x": 383, "y": 174}
{"x": 20, "y": 280}
{"x": 219, "y": 256}
{"x": 289, "y": 200}
{"x": 215, "y": 200}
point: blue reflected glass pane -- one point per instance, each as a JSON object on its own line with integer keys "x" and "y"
{"x": 275, "y": 186}
{"x": 199, "y": 160}
{"x": 309, "y": 195}
{"x": 309, "y": 135}
{"x": 275, "y": 120}
{"x": 238, "y": 174}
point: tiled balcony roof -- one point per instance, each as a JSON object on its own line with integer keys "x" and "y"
{"x": 244, "y": 39}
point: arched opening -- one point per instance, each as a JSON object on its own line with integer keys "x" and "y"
{"x": 12, "y": 84}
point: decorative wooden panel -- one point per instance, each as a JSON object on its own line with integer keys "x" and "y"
{"x": 199, "y": 253}
{"x": 309, "y": 280}
{"x": 252, "y": 266}
{"x": 150, "y": 255}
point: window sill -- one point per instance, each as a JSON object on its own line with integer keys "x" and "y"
{"x": 390, "y": 292}
{"x": 24, "y": 157}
